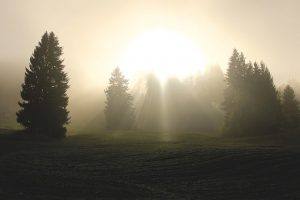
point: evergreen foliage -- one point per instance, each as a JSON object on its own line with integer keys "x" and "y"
{"x": 290, "y": 109}
{"x": 44, "y": 99}
{"x": 251, "y": 101}
{"x": 119, "y": 112}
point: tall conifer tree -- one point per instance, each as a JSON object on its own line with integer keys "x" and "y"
{"x": 251, "y": 102}
{"x": 290, "y": 108}
{"x": 119, "y": 110}
{"x": 44, "y": 98}
{"x": 232, "y": 104}
{"x": 266, "y": 115}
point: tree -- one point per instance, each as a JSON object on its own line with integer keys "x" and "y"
{"x": 44, "y": 99}
{"x": 290, "y": 108}
{"x": 233, "y": 93}
{"x": 251, "y": 102}
{"x": 119, "y": 112}
{"x": 266, "y": 115}
{"x": 150, "y": 117}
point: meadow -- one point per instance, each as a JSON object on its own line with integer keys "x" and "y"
{"x": 138, "y": 165}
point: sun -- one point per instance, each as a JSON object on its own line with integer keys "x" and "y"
{"x": 162, "y": 52}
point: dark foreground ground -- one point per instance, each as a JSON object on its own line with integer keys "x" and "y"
{"x": 148, "y": 166}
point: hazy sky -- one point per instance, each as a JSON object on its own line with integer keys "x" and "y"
{"x": 96, "y": 33}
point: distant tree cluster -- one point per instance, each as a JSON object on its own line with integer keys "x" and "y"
{"x": 194, "y": 104}
{"x": 252, "y": 104}
{"x": 189, "y": 105}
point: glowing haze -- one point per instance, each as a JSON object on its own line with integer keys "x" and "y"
{"x": 164, "y": 53}
{"x": 96, "y": 34}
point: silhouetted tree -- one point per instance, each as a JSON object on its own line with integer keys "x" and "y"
{"x": 295, "y": 84}
{"x": 119, "y": 112}
{"x": 44, "y": 99}
{"x": 290, "y": 108}
{"x": 251, "y": 104}
{"x": 189, "y": 106}
{"x": 266, "y": 115}
{"x": 232, "y": 104}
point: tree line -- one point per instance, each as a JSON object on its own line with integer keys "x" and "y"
{"x": 252, "y": 104}
{"x": 244, "y": 101}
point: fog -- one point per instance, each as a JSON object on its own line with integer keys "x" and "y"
{"x": 96, "y": 34}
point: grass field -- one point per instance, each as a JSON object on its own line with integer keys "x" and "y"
{"x": 135, "y": 165}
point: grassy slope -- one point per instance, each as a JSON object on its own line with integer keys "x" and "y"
{"x": 143, "y": 165}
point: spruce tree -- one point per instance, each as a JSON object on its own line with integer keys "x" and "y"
{"x": 233, "y": 93}
{"x": 265, "y": 102}
{"x": 290, "y": 108}
{"x": 44, "y": 99}
{"x": 119, "y": 112}
{"x": 251, "y": 102}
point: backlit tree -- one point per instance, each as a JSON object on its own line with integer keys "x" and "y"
{"x": 44, "y": 98}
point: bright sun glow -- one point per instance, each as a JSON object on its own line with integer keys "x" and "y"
{"x": 164, "y": 53}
